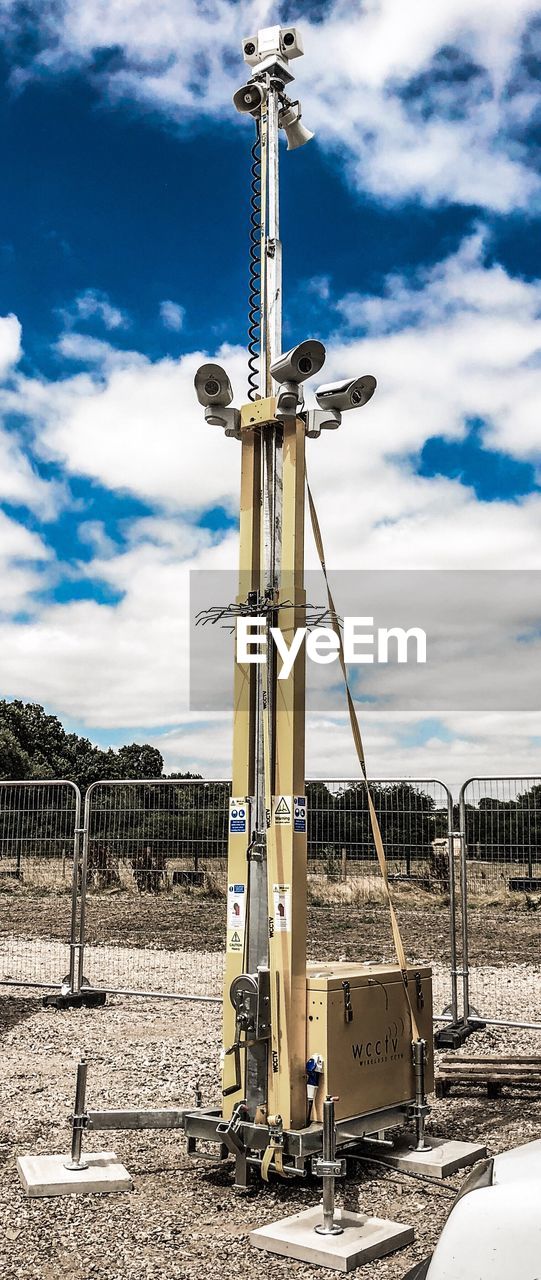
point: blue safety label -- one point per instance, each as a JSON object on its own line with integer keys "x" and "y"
{"x": 238, "y": 817}
{"x": 299, "y": 814}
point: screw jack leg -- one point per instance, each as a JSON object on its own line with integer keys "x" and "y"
{"x": 420, "y": 1108}
{"x": 79, "y": 1120}
{"x": 328, "y": 1168}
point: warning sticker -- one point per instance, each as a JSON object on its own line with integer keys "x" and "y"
{"x": 238, "y": 817}
{"x": 234, "y": 941}
{"x": 281, "y": 895}
{"x": 282, "y": 808}
{"x": 299, "y": 813}
{"x": 236, "y": 906}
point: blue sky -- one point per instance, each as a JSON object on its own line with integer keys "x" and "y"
{"x": 411, "y": 228}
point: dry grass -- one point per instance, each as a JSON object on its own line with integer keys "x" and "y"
{"x": 340, "y": 885}
{"x": 358, "y": 891}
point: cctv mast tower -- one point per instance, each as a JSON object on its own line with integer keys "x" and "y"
{"x": 293, "y": 1034}
{"x": 268, "y": 743}
{"x": 265, "y": 979}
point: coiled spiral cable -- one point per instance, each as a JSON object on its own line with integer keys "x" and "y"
{"x": 254, "y": 301}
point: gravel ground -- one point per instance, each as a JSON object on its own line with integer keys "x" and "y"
{"x": 184, "y": 1220}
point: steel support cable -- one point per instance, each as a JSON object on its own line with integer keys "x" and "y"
{"x": 355, "y": 729}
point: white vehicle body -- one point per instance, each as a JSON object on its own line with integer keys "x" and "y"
{"x": 494, "y": 1229}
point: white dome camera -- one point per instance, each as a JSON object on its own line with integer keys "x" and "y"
{"x": 349, "y": 394}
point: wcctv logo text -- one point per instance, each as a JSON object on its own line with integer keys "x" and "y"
{"x": 384, "y": 1048}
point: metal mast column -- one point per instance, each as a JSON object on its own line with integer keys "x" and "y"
{"x": 268, "y": 748}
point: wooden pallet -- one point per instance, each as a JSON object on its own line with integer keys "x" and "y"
{"x": 492, "y": 1073}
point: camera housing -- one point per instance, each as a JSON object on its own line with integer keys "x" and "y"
{"x": 212, "y": 385}
{"x": 318, "y": 420}
{"x": 222, "y": 416}
{"x": 301, "y": 362}
{"x": 352, "y": 393}
{"x": 284, "y": 42}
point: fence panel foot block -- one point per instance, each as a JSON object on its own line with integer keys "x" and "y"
{"x": 48, "y": 1176}
{"x": 363, "y": 1239}
{"x": 444, "y": 1158}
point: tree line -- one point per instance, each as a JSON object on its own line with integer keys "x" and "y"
{"x": 34, "y": 744}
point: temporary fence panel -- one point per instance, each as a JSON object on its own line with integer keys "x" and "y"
{"x": 500, "y": 822}
{"x": 153, "y": 886}
{"x": 39, "y": 839}
{"x": 149, "y": 915}
{"x": 348, "y": 915}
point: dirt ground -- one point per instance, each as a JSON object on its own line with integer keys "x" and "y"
{"x": 500, "y": 931}
{"x": 183, "y": 1220}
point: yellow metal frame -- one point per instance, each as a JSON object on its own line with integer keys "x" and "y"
{"x": 286, "y": 847}
{"x": 243, "y": 727}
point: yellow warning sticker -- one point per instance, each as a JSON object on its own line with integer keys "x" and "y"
{"x": 234, "y": 941}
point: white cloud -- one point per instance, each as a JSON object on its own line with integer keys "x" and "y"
{"x": 433, "y": 103}
{"x": 93, "y": 304}
{"x": 23, "y": 559}
{"x": 20, "y": 483}
{"x": 458, "y": 342}
{"x": 119, "y": 664}
{"x": 136, "y": 426}
{"x": 461, "y": 342}
{"x": 10, "y": 343}
{"x": 172, "y": 315}
{"x": 464, "y": 746}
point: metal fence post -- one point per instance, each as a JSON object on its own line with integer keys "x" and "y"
{"x": 74, "y": 979}
{"x": 464, "y": 907}
{"x": 83, "y": 888}
{"x": 452, "y": 907}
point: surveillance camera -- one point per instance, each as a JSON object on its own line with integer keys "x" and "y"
{"x": 272, "y": 42}
{"x": 212, "y": 385}
{"x": 300, "y": 363}
{"x": 291, "y": 45}
{"x": 250, "y": 98}
{"x": 250, "y": 50}
{"x": 351, "y": 394}
{"x": 221, "y": 416}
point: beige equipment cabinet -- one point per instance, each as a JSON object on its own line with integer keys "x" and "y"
{"x": 367, "y": 1061}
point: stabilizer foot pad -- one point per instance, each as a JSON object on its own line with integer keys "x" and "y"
{"x": 48, "y": 1176}
{"x": 442, "y": 1160}
{"x": 362, "y": 1239}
